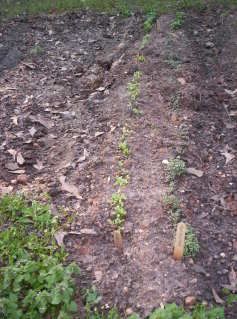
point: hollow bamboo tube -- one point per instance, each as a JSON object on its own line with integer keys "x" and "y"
{"x": 179, "y": 241}
{"x": 118, "y": 240}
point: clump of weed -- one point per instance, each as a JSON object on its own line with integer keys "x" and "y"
{"x": 175, "y": 168}
{"x": 178, "y": 21}
{"x": 172, "y": 311}
{"x": 34, "y": 283}
{"x": 134, "y": 91}
{"x": 172, "y": 204}
{"x": 192, "y": 246}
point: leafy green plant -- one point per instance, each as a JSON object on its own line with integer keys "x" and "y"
{"x": 33, "y": 281}
{"x": 145, "y": 41}
{"x": 118, "y": 204}
{"x": 149, "y": 22}
{"x": 121, "y": 180}
{"x": 124, "y": 148}
{"x": 191, "y": 247}
{"x": 175, "y": 168}
{"x": 178, "y": 21}
{"x": 172, "y": 311}
{"x": 140, "y": 58}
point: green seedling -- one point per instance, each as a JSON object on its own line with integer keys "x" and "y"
{"x": 172, "y": 311}
{"x": 175, "y": 168}
{"x": 192, "y": 246}
{"x": 118, "y": 204}
{"x": 140, "y": 58}
{"x": 178, "y": 21}
{"x": 149, "y": 22}
{"x": 145, "y": 41}
{"x": 122, "y": 180}
{"x": 124, "y": 148}
{"x": 172, "y": 204}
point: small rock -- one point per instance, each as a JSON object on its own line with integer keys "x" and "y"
{"x": 222, "y": 255}
{"x": 22, "y": 179}
{"x": 234, "y": 258}
{"x": 209, "y": 45}
{"x": 98, "y": 275}
{"x": 129, "y": 311}
{"x": 195, "y": 32}
{"x": 190, "y": 301}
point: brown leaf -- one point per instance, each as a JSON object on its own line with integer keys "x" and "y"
{"x": 11, "y": 166}
{"x": 6, "y": 190}
{"x": 39, "y": 165}
{"x": 18, "y": 171}
{"x": 216, "y": 297}
{"x": 194, "y": 171}
{"x": 72, "y": 189}
{"x": 233, "y": 281}
{"x": 228, "y": 156}
{"x": 32, "y": 131}
{"x": 15, "y": 120}
{"x": 83, "y": 157}
{"x": 60, "y": 235}
{"x": 20, "y": 159}
{"x": 43, "y": 121}
{"x": 13, "y": 153}
{"x": 98, "y": 134}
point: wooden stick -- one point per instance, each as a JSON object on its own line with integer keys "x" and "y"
{"x": 118, "y": 240}
{"x": 179, "y": 241}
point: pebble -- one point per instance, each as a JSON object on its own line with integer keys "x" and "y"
{"x": 234, "y": 258}
{"x": 190, "y": 301}
{"x": 129, "y": 311}
{"x": 222, "y": 255}
{"x": 209, "y": 45}
{"x": 22, "y": 179}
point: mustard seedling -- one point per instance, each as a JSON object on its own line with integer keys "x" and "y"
{"x": 122, "y": 181}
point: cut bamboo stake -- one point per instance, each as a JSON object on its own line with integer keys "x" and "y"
{"x": 118, "y": 240}
{"x": 179, "y": 241}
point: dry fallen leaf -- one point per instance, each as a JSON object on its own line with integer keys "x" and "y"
{"x": 32, "y": 131}
{"x": 11, "y": 166}
{"x": 232, "y": 93}
{"x": 15, "y": 120}
{"x": 20, "y": 159}
{"x": 43, "y": 121}
{"x": 39, "y": 165}
{"x": 194, "y": 171}
{"x": 5, "y": 190}
{"x": 18, "y": 171}
{"x": 13, "y": 153}
{"x": 72, "y": 189}
{"x": 216, "y": 297}
{"x": 83, "y": 157}
{"x": 60, "y": 235}
{"x": 233, "y": 281}
{"x": 98, "y": 134}
{"x": 229, "y": 157}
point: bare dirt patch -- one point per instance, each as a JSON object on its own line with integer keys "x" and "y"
{"x": 64, "y": 102}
